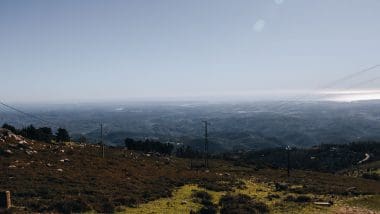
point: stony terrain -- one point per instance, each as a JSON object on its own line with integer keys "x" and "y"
{"x": 71, "y": 177}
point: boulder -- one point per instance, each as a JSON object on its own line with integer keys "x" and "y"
{"x": 8, "y": 152}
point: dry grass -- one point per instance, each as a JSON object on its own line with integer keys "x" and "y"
{"x": 88, "y": 182}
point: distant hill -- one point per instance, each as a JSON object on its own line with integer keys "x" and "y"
{"x": 234, "y": 126}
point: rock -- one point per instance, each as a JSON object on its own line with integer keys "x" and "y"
{"x": 12, "y": 166}
{"x": 183, "y": 202}
{"x": 324, "y": 203}
{"x": 64, "y": 160}
{"x": 12, "y": 145}
{"x": 14, "y": 137}
{"x": 60, "y": 170}
{"x": 281, "y": 186}
{"x": 28, "y": 152}
{"x": 22, "y": 142}
{"x": 8, "y": 152}
{"x": 49, "y": 165}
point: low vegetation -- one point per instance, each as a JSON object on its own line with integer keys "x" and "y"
{"x": 149, "y": 146}
{"x": 243, "y": 204}
{"x": 324, "y": 158}
{"x": 72, "y": 177}
{"x": 44, "y": 134}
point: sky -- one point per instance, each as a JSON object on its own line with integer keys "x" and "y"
{"x": 91, "y": 50}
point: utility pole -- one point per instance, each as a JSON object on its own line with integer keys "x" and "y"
{"x": 101, "y": 138}
{"x": 288, "y": 149}
{"x": 206, "y": 145}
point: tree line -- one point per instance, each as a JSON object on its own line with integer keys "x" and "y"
{"x": 324, "y": 157}
{"x": 44, "y": 134}
{"x": 149, "y": 146}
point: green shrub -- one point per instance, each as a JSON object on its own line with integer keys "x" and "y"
{"x": 241, "y": 204}
{"x": 298, "y": 199}
{"x": 202, "y": 197}
{"x": 209, "y": 209}
{"x": 71, "y": 206}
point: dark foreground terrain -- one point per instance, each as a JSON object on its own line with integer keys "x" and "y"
{"x": 70, "y": 177}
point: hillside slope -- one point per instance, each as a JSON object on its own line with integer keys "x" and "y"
{"x": 70, "y": 177}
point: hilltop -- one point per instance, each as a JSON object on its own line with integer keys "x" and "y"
{"x": 73, "y": 177}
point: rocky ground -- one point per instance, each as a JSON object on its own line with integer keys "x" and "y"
{"x": 71, "y": 177}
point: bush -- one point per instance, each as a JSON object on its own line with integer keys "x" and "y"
{"x": 202, "y": 197}
{"x": 10, "y": 128}
{"x": 62, "y": 135}
{"x": 241, "y": 204}
{"x": 227, "y": 185}
{"x": 108, "y": 207}
{"x": 272, "y": 196}
{"x": 298, "y": 199}
{"x": 149, "y": 146}
{"x": 209, "y": 209}
{"x": 303, "y": 199}
{"x": 71, "y": 206}
{"x": 372, "y": 176}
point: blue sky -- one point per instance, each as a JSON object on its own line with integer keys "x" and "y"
{"x": 63, "y": 51}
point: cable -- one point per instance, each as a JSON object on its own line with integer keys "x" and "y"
{"x": 350, "y": 76}
{"x": 28, "y": 114}
{"x": 328, "y": 85}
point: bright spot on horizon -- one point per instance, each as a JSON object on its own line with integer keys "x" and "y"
{"x": 351, "y": 96}
{"x": 259, "y": 25}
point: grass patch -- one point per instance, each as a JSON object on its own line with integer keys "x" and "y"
{"x": 182, "y": 201}
{"x": 243, "y": 204}
{"x": 368, "y": 202}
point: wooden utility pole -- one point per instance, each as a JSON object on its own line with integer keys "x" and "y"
{"x": 101, "y": 138}
{"x": 5, "y": 200}
{"x": 288, "y": 149}
{"x": 206, "y": 145}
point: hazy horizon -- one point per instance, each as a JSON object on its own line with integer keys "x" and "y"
{"x": 81, "y": 51}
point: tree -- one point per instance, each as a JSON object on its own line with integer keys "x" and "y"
{"x": 129, "y": 142}
{"x": 82, "y": 139}
{"x": 62, "y": 135}
{"x": 30, "y": 132}
{"x": 149, "y": 146}
{"x": 10, "y": 128}
{"x": 44, "y": 134}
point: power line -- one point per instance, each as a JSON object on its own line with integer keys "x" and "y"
{"x": 350, "y": 76}
{"x": 352, "y": 86}
{"x": 28, "y": 114}
{"x": 326, "y": 86}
